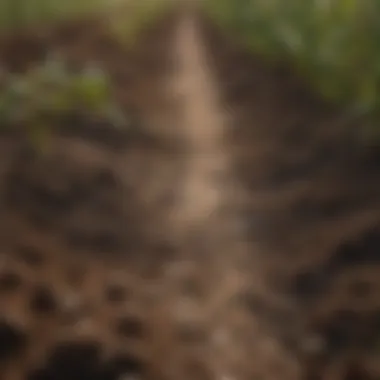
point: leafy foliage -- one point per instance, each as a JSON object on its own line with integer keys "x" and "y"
{"x": 334, "y": 43}
{"x": 41, "y": 98}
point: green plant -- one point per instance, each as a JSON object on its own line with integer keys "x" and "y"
{"x": 39, "y": 99}
{"x": 335, "y": 44}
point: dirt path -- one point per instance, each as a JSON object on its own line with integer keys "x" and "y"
{"x": 203, "y": 128}
{"x": 199, "y": 218}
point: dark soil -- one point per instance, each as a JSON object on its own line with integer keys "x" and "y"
{"x": 313, "y": 187}
{"x": 89, "y": 182}
{"x": 294, "y": 151}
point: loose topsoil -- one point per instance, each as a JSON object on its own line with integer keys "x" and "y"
{"x": 296, "y": 154}
{"x": 92, "y": 182}
{"x": 312, "y": 188}
{"x": 311, "y": 196}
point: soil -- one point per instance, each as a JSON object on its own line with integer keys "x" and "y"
{"x": 303, "y": 167}
{"x": 218, "y": 128}
{"x": 295, "y": 155}
{"x": 174, "y": 157}
{"x": 157, "y": 199}
{"x": 135, "y": 159}
{"x": 310, "y": 208}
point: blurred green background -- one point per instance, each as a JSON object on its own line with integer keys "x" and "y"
{"x": 335, "y": 44}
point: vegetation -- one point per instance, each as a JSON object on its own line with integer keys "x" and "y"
{"x": 42, "y": 97}
{"x": 52, "y": 89}
{"x": 333, "y": 43}
{"x": 49, "y": 93}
